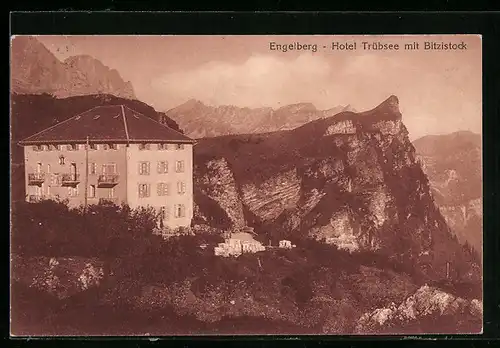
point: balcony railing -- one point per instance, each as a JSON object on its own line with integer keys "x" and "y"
{"x": 113, "y": 200}
{"x": 70, "y": 179}
{"x": 107, "y": 180}
{"x": 36, "y": 178}
{"x": 35, "y": 198}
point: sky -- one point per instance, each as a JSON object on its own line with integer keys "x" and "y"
{"x": 440, "y": 91}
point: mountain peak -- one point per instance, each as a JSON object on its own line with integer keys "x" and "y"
{"x": 391, "y": 104}
{"x": 35, "y": 70}
{"x": 388, "y": 109}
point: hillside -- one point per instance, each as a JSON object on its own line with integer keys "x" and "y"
{"x": 35, "y": 70}
{"x": 373, "y": 253}
{"x": 200, "y": 120}
{"x": 453, "y": 164}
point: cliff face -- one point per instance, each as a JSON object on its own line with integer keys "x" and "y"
{"x": 200, "y": 120}
{"x": 35, "y": 70}
{"x": 351, "y": 180}
{"x": 453, "y": 165}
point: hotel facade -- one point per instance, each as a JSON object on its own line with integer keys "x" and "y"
{"x": 117, "y": 155}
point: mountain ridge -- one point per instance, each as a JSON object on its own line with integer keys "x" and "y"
{"x": 200, "y": 120}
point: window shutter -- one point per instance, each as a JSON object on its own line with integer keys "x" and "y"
{"x": 159, "y": 189}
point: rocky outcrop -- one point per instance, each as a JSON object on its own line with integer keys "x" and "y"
{"x": 426, "y": 302}
{"x": 61, "y": 277}
{"x": 271, "y": 198}
{"x": 352, "y": 180}
{"x": 217, "y": 183}
{"x": 35, "y": 70}
{"x": 324, "y": 311}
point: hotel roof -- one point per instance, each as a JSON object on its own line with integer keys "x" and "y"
{"x": 109, "y": 123}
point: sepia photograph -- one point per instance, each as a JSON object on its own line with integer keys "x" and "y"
{"x": 173, "y": 185}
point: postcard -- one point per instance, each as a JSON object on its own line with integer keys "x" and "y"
{"x": 246, "y": 185}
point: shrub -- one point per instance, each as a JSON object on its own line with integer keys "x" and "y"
{"x": 50, "y": 228}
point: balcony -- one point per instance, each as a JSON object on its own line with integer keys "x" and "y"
{"x": 36, "y": 178}
{"x": 107, "y": 180}
{"x": 113, "y": 200}
{"x": 70, "y": 179}
{"x": 35, "y": 198}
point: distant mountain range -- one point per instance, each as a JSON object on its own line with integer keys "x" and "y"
{"x": 35, "y": 70}
{"x": 200, "y": 121}
{"x": 452, "y": 163}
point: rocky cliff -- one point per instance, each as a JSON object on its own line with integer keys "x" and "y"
{"x": 352, "y": 180}
{"x": 35, "y": 70}
{"x": 200, "y": 120}
{"x": 453, "y": 164}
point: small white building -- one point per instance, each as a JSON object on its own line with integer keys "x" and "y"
{"x": 238, "y": 244}
{"x": 286, "y": 244}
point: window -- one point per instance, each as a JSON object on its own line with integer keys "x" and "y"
{"x": 58, "y": 179}
{"x": 72, "y": 147}
{"x": 179, "y": 166}
{"x": 92, "y": 191}
{"x": 162, "y": 167}
{"x": 111, "y": 192}
{"x": 143, "y": 168}
{"x": 93, "y": 146}
{"x": 144, "y": 190}
{"x": 180, "y": 210}
{"x": 73, "y": 191}
{"x": 179, "y": 146}
{"x": 48, "y": 190}
{"x": 105, "y": 147}
{"x": 162, "y": 189}
{"x": 113, "y": 146}
{"x": 61, "y": 160}
{"x": 39, "y": 167}
{"x": 109, "y": 168}
{"x": 162, "y": 146}
{"x": 144, "y": 146}
{"x": 181, "y": 187}
{"x": 48, "y": 168}
{"x": 37, "y": 148}
{"x": 92, "y": 168}
{"x": 163, "y": 213}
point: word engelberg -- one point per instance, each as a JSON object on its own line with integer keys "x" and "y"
{"x": 296, "y": 46}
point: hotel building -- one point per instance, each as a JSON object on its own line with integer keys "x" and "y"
{"x": 113, "y": 154}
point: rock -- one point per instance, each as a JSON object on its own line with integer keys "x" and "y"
{"x": 61, "y": 277}
{"x": 426, "y": 302}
